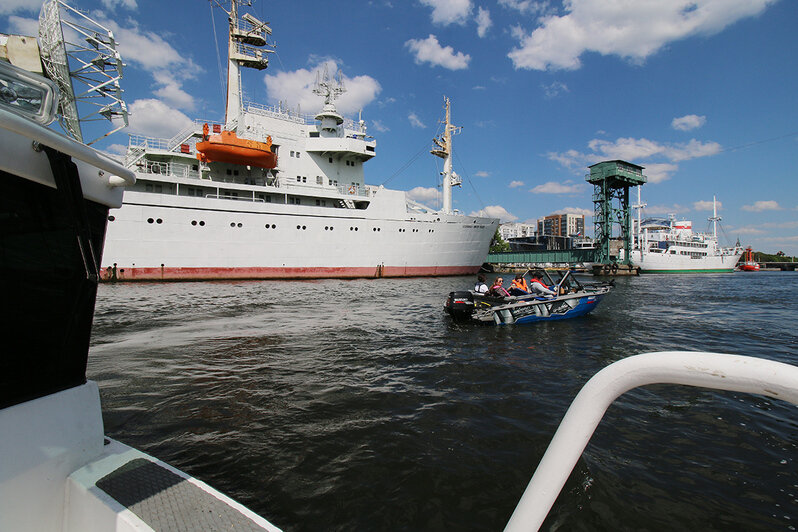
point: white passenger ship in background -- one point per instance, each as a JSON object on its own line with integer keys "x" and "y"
{"x": 671, "y": 246}
{"x": 218, "y": 205}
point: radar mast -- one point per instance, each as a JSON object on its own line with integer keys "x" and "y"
{"x": 443, "y": 149}
{"x": 247, "y": 35}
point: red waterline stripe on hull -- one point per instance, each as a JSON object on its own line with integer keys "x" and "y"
{"x": 204, "y": 274}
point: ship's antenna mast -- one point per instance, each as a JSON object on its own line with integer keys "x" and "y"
{"x": 639, "y": 206}
{"x": 330, "y": 89}
{"x": 247, "y": 36}
{"x": 443, "y": 149}
{"x": 715, "y": 219}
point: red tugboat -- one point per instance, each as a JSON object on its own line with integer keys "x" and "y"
{"x": 750, "y": 265}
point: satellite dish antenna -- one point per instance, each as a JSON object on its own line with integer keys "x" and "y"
{"x": 86, "y": 67}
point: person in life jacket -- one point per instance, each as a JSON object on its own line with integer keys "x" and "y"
{"x": 497, "y": 289}
{"x": 537, "y": 286}
{"x": 519, "y": 287}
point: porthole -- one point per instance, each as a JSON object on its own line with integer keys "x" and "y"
{"x": 159, "y": 221}
{"x": 274, "y": 226}
{"x": 150, "y": 220}
{"x": 240, "y": 224}
{"x": 355, "y": 228}
{"x": 202, "y": 223}
{"x": 232, "y": 224}
{"x": 299, "y": 227}
{"x": 111, "y": 218}
{"x": 193, "y": 222}
{"x": 304, "y": 227}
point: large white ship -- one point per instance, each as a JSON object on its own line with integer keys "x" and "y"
{"x": 671, "y": 246}
{"x": 273, "y": 194}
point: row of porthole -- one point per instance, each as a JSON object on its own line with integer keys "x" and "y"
{"x": 201, "y": 223}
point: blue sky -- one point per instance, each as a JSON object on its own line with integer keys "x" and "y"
{"x": 702, "y": 93}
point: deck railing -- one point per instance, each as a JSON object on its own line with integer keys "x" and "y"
{"x": 708, "y": 370}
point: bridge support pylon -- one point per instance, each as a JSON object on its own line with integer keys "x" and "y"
{"x": 611, "y": 182}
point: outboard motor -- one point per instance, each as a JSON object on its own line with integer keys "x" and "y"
{"x": 460, "y": 305}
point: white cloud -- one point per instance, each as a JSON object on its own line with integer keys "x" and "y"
{"x": 659, "y": 172}
{"x": 639, "y": 150}
{"x": 658, "y": 210}
{"x": 631, "y": 149}
{"x": 572, "y": 158}
{"x": 525, "y": 7}
{"x": 127, "y": 4}
{"x": 11, "y": 6}
{"x": 483, "y": 21}
{"x": 495, "y": 211}
{"x": 556, "y": 188}
{"x": 296, "y": 88}
{"x": 154, "y": 118}
{"x": 23, "y": 26}
{"x": 760, "y": 206}
{"x": 379, "y": 126}
{"x": 171, "y": 91}
{"x": 430, "y": 51}
{"x": 748, "y": 231}
{"x": 632, "y": 30}
{"x": 447, "y": 12}
{"x": 688, "y": 122}
{"x": 116, "y": 149}
{"x": 482, "y": 173}
{"x": 423, "y": 194}
{"x": 706, "y": 205}
{"x": 554, "y": 89}
{"x": 415, "y": 121}
{"x": 516, "y": 184}
{"x": 574, "y": 210}
{"x": 147, "y": 49}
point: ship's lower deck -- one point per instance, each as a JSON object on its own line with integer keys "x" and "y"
{"x": 153, "y": 237}
{"x": 671, "y": 263}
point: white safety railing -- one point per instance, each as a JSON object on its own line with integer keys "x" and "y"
{"x": 709, "y": 370}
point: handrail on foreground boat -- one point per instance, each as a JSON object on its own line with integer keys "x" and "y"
{"x": 119, "y": 175}
{"x": 709, "y": 370}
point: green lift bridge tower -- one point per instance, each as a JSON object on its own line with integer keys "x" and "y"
{"x": 611, "y": 181}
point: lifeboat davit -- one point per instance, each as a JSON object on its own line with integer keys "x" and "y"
{"x": 228, "y": 148}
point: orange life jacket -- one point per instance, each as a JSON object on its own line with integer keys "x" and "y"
{"x": 520, "y": 284}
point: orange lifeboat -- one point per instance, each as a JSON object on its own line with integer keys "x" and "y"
{"x": 228, "y": 148}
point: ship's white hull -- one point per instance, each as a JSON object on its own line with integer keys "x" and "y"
{"x": 671, "y": 263}
{"x": 161, "y": 237}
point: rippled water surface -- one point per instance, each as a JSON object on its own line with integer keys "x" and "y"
{"x": 357, "y": 405}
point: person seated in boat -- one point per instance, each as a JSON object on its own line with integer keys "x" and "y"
{"x": 519, "y": 287}
{"x": 481, "y": 287}
{"x": 497, "y": 289}
{"x": 536, "y": 286}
